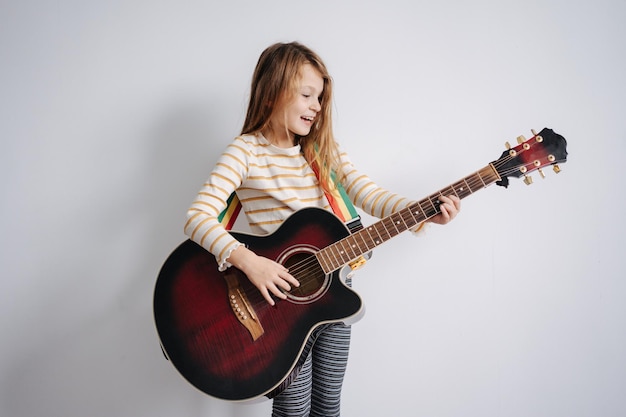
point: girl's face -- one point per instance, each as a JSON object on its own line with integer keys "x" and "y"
{"x": 297, "y": 116}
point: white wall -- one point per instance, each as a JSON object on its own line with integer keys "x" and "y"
{"x": 112, "y": 113}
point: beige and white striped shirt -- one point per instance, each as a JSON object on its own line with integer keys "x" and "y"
{"x": 271, "y": 183}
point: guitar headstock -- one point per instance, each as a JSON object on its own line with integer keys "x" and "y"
{"x": 543, "y": 149}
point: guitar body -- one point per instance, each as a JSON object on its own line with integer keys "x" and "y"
{"x": 201, "y": 334}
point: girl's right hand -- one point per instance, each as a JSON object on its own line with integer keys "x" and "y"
{"x": 271, "y": 278}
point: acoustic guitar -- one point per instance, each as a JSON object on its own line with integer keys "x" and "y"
{"x": 227, "y": 341}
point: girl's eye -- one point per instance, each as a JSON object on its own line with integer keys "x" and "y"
{"x": 306, "y": 95}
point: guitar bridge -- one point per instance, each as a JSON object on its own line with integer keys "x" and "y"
{"x": 357, "y": 263}
{"x": 241, "y": 307}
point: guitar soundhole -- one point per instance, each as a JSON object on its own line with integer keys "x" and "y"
{"x": 303, "y": 265}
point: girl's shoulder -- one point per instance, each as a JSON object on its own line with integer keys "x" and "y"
{"x": 245, "y": 140}
{"x": 258, "y": 145}
{"x": 247, "y": 144}
{"x": 252, "y": 141}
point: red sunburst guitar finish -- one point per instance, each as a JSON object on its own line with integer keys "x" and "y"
{"x": 202, "y": 334}
{"x": 226, "y": 340}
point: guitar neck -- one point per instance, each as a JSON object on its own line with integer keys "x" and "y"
{"x": 350, "y": 248}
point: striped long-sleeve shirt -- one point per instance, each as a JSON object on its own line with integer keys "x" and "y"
{"x": 271, "y": 184}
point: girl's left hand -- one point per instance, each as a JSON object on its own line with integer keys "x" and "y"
{"x": 450, "y": 207}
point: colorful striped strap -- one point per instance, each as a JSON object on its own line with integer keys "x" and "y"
{"x": 339, "y": 201}
{"x": 228, "y": 216}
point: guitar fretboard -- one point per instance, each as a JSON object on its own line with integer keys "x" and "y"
{"x": 352, "y": 247}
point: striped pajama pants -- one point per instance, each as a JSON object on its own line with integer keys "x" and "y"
{"x": 316, "y": 391}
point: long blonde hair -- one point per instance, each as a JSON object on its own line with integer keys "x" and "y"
{"x": 274, "y": 81}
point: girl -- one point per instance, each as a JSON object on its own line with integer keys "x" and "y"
{"x": 285, "y": 159}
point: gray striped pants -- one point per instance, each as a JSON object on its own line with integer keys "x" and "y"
{"x": 316, "y": 391}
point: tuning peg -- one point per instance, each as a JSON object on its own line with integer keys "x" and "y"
{"x": 533, "y": 132}
{"x": 521, "y": 139}
{"x": 507, "y": 145}
{"x": 541, "y": 173}
{"x": 556, "y": 168}
{"x": 528, "y": 179}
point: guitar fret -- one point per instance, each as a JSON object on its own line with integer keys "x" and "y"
{"x": 343, "y": 248}
{"x": 390, "y": 227}
{"x": 331, "y": 264}
{"x": 339, "y": 253}
{"x": 334, "y": 253}
{"x": 375, "y": 240}
{"x": 477, "y": 184}
{"x": 453, "y": 189}
{"x": 399, "y": 221}
{"x": 468, "y": 187}
{"x": 418, "y": 214}
{"x": 370, "y": 241}
{"x": 409, "y": 219}
{"x": 431, "y": 208}
{"x": 473, "y": 182}
{"x": 350, "y": 253}
{"x": 322, "y": 258}
{"x": 352, "y": 243}
{"x": 434, "y": 206}
{"x": 342, "y": 258}
{"x": 361, "y": 235}
{"x": 383, "y": 232}
{"x": 395, "y": 221}
{"x": 481, "y": 179}
{"x": 435, "y": 202}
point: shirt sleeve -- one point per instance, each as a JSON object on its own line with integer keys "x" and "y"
{"x": 368, "y": 196}
{"x": 203, "y": 226}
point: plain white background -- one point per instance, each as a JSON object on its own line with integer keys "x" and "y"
{"x": 112, "y": 114}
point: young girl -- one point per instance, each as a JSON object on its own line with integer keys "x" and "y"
{"x": 284, "y": 160}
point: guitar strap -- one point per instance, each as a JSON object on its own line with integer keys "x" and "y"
{"x": 228, "y": 216}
